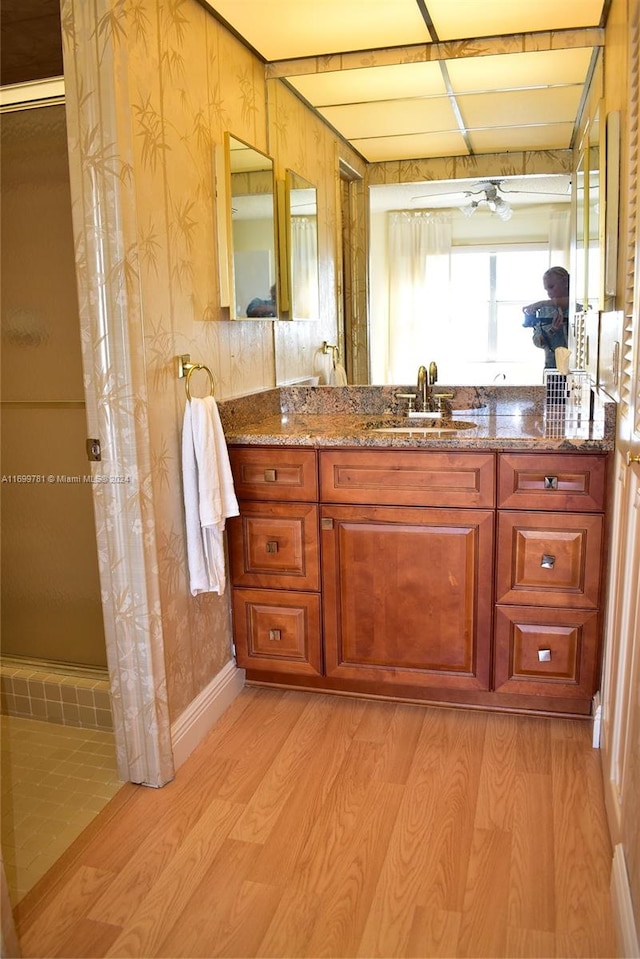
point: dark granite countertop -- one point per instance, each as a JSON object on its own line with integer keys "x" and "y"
{"x": 501, "y": 418}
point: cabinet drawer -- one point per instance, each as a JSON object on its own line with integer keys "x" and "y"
{"x": 274, "y": 474}
{"x": 549, "y": 559}
{"x": 547, "y": 652}
{"x": 407, "y": 478}
{"x": 277, "y": 631}
{"x": 275, "y": 546}
{"x": 562, "y": 481}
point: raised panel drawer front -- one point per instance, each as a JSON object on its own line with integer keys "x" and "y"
{"x": 546, "y": 652}
{"x": 274, "y": 473}
{"x": 407, "y": 478}
{"x": 277, "y": 631}
{"x": 549, "y": 559}
{"x": 275, "y": 546}
{"x": 407, "y": 595}
{"x": 551, "y": 481}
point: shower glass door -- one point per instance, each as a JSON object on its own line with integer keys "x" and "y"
{"x": 51, "y": 604}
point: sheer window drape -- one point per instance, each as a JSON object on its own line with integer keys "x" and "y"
{"x": 304, "y": 268}
{"x": 419, "y": 264}
{"x": 560, "y": 239}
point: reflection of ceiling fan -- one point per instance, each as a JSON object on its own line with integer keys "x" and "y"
{"x": 492, "y": 193}
{"x": 489, "y": 193}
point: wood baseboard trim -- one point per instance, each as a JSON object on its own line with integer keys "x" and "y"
{"x": 194, "y": 723}
{"x": 625, "y": 924}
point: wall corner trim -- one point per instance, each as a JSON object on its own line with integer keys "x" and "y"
{"x": 624, "y": 921}
{"x": 194, "y": 723}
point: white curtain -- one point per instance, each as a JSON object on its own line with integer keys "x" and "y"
{"x": 304, "y": 267}
{"x": 560, "y": 239}
{"x": 419, "y": 269}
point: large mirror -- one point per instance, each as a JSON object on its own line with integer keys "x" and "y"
{"x": 302, "y": 247}
{"x": 452, "y": 263}
{"x": 253, "y": 260}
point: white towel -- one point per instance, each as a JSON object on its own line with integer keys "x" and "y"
{"x": 209, "y": 496}
{"x": 338, "y": 375}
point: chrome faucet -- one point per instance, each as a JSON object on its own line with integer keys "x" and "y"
{"x": 426, "y": 381}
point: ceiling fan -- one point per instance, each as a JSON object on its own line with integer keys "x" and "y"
{"x": 488, "y": 192}
{"x": 492, "y": 193}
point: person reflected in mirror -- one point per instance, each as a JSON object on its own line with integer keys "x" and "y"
{"x": 260, "y": 307}
{"x": 550, "y": 317}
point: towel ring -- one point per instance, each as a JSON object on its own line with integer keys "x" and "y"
{"x": 191, "y": 367}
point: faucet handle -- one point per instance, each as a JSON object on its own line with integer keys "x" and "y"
{"x": 433, "y": 373}
{"x": 439, "y": 397}
{"x": 410, "y": 397}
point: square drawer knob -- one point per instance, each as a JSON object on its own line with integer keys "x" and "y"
{"x": 551, "y": 482}
{"x": 275, "y": 635}
{"x": 547, "y": 561}
{"x": 544, "y": 655}
{"x": 270, "y": 476}
{"x": 272, "y": 546}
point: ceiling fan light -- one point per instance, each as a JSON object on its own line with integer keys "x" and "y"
{"x": 470, "y": 209}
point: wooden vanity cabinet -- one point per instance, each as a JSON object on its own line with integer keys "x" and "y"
{"x": 274, "y": 561}
{"x": 468, "y": 577}
{"x": 549, "y": 575}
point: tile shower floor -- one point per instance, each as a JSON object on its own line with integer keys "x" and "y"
{"x": 55, "y": 779}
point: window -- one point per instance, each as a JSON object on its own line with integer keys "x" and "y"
{"x": 485, "y": 340}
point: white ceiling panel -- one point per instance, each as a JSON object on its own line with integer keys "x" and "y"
{"x": 394, "y": 117}
{"x": 377, "y": 70}
{"x": 411, "y": 147}
{"x": 519, "y": 70}
{"x": 458, "y": 19}
{"x": 373, "y": 83}
{"x": 544, "y": 136}
{"x": 509, "y": 107}
{"x": 281, "y": 29}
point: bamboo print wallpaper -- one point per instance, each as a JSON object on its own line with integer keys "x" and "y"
{"x": 152, "y": 86}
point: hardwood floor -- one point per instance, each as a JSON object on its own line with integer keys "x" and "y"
{"x": 311, "y": 825}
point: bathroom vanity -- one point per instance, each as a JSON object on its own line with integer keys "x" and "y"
{"x": 462, "y": 568}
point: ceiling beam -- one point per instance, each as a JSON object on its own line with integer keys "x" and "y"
{"x": 428, "y": 52}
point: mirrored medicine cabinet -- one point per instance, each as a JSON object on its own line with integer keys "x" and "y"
{"x": 247, "y": 231}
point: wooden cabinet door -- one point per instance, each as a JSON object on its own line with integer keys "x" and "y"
{"x": 407, "y": 595}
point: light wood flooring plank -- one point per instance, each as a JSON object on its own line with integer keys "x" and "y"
{"x": 307, "y": 825}
{"x": 497, "y": 774}
{"x": 51, "y": 927}
{"x": 583, "y": 852}
{"x": 433, "y": 933}
{"x": 282, "y": 778}
{"x": 87, "y": 937}
{"x": 141, "y": 859}
{"x": 335, "y": 873}
{"x": 483, "y": 928}
{"x": 532, "y": 901}
{"x": 426, "y": 861}
{"x": 228, "y": 914}
{"x": 290, "y": 833}
{"x": 166, "y": 898}
{"x": 531, "y": 944}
